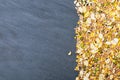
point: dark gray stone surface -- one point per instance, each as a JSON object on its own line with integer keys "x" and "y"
{"x": 35, "y": 37}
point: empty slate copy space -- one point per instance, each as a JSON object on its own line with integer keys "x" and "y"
{"x": 35, "y": 37}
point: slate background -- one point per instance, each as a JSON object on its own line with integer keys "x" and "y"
{"x": 35, "y": 37}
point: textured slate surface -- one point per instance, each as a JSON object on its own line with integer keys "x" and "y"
{"x": 35, "y": 37}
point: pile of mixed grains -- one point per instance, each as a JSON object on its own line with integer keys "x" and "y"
{"x": 98, "y": 39}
